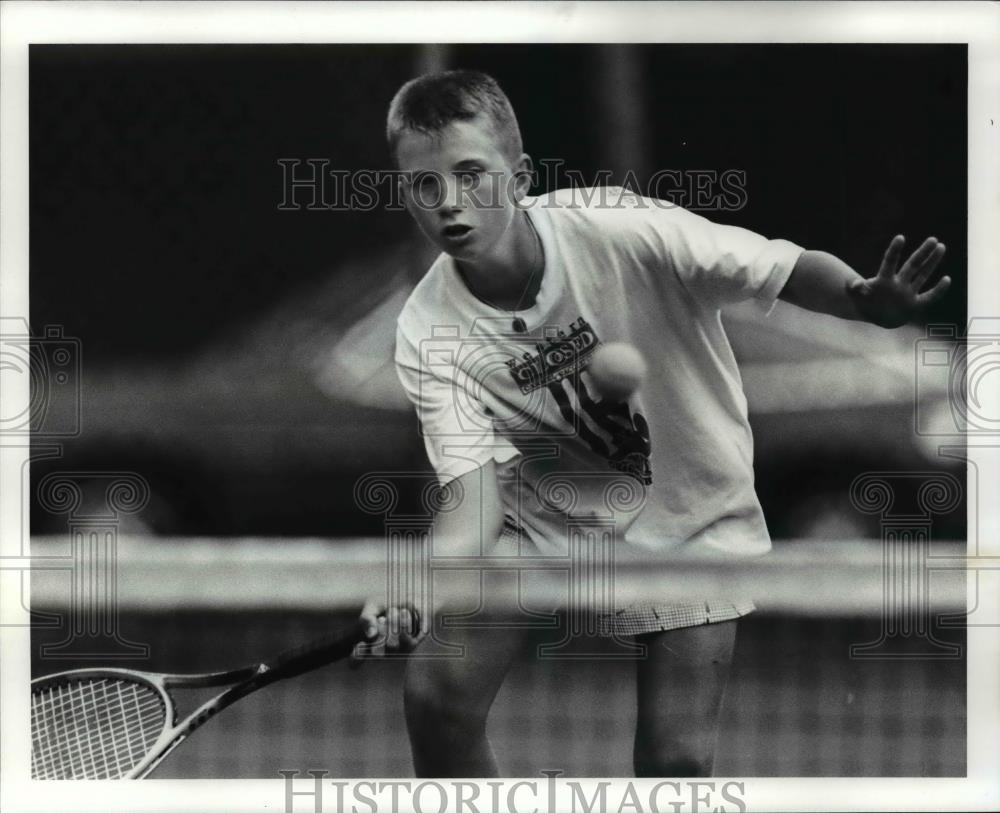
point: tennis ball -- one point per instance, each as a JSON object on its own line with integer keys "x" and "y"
{"x": 617, "y": 370}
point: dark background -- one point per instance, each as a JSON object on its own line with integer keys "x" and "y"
{"x": 155, "y": 185}
{"x": 156, "y": 237}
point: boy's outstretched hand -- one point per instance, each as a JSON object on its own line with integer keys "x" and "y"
{"x": 892, "y": 297}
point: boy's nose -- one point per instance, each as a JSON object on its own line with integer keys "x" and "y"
{"x": 454, "y": 197}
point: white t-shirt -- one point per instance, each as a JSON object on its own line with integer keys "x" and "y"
{"x": 671, "y": 469}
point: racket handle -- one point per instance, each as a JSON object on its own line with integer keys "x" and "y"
{"x": 324, "y": 650}
{"x": 319, "y": 652}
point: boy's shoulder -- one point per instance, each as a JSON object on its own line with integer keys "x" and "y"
{"x": 593, "y": 199}
{"x": 605, "y": 208}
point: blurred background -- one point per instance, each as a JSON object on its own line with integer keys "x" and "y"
{"x": 238, "y": 356}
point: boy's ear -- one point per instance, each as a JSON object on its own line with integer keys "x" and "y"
{"x": 401, "y": 189}
{"x": 524, "y": 170}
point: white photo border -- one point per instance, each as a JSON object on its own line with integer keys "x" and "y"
{"x": 23, "y": 23}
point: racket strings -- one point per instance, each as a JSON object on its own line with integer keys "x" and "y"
{"x": 98, "y": 728}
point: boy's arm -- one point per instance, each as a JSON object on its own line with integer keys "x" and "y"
{"x": 473, "y": 520}
{"x": 821, "y": 282}
{"x": 468, "y": 525}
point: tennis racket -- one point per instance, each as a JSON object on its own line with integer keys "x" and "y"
{"x": 121, "y": 723}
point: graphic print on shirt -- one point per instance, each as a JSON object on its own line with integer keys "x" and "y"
{"x": 610, "y": 428}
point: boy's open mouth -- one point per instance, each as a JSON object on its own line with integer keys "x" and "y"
{"x": 456, "y": 230}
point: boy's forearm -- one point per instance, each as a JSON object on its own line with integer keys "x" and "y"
{"x": 819, "y": 282}
{"x": 467, "y": 528}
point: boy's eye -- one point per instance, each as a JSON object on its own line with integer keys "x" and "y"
{"x": 425, "y": 182}
{"x": 426, "y": 186}
{"x": 469, "y": 177}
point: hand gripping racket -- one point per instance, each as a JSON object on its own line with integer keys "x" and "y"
{"x": 120, "y": 723}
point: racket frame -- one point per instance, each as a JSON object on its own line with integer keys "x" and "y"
{"x": 150, "y": 680}
{"x": 245, "y": 680}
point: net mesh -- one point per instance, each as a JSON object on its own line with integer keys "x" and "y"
{"x": 98, "y": 728}
{"x": 846, "y": 692}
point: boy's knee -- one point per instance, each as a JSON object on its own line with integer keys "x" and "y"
{"x": 422, "y": 695}
{"x": 434, "y": 703}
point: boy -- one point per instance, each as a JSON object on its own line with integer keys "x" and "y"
{"x": 532, "y": 286}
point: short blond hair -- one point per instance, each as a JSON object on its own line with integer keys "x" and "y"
{"x": 431, "y": 102}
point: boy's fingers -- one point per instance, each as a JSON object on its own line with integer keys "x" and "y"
{"x": 928, "y": 268}
{"x": 369, "y": 618}
{"x": 917, "y": 259}
{"x": 392, "y": 629}
{"x": 934, "y": 294}
{"x": 411, "y": 622}
{"x": 410, "y": 632}
{"x": 890, "y": 260}
{"x": 371, "y": 615}
{"x": 386, "y": 630}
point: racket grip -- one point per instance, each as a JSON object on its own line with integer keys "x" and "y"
{"x": 317, "y": 653}
{"x": 324, "y": 650}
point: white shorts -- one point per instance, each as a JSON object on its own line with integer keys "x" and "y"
{"x": 655, "y": 617}
{"x": 638, "y": 619}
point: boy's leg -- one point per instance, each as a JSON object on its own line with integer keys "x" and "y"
{"x": 680, "y": 686}
{"x": 448, "y": 699}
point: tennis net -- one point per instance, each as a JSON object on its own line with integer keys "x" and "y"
{"x": 853, "y": 664}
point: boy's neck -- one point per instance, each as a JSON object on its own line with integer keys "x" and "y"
{"x": 511, "y": 279}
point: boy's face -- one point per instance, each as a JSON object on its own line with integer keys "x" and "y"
{"x": 461, "y": 188}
